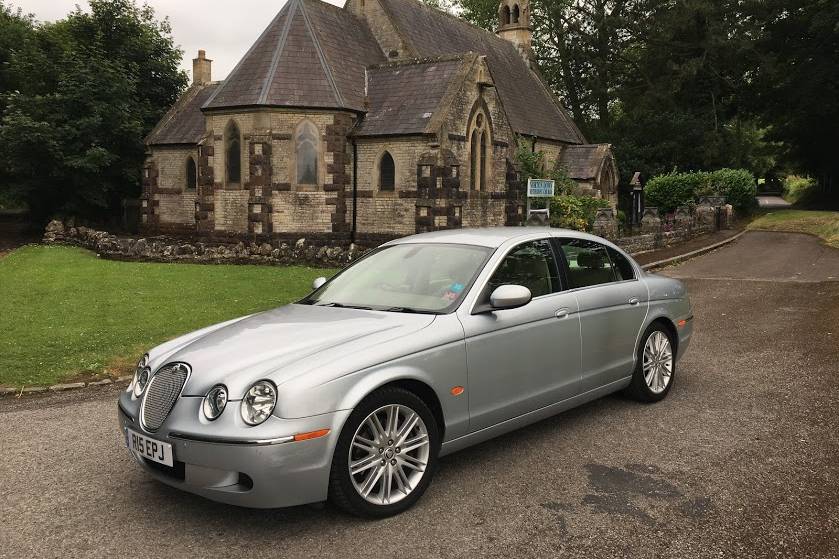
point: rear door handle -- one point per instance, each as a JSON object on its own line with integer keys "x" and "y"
{"x": 561, "y": 313}
{"x": 634, "y": 301}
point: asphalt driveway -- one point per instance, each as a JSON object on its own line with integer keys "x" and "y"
{"x": 741, "y": 460}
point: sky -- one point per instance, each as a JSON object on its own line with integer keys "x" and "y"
{"x": 223, "y": 28}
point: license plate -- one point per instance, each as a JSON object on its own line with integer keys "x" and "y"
{"x": 154, "y": 450}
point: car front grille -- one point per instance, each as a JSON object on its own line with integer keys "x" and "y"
{"x": 162, "y": 393}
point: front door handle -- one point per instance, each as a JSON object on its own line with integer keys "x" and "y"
{"x": 561, "y": 313}
{"x": 634, "y": 301}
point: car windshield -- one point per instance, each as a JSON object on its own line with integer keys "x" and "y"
{"x": 428, "y": 278}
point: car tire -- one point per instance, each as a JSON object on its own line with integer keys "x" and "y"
{"x": 655, "y": 363}
{"x": 359, "y": 445}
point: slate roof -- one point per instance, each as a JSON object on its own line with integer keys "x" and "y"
{"x": 313, "y": 54}
{"x": 403, "y": 97}
{"x": 531, "y": 108}
{"x": 583, "y": 162}
{"x": 184, "y": 122}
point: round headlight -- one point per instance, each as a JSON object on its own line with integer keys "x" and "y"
{"x": 214, "y": 402}
{"x": 141, "y": 381}
{"x": 259, "y": 402}
{"x": 141, "y": 364}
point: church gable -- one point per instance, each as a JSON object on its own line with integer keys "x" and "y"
{"x": 312, "y": 54}
{"x": 405, "y": 98}
{"x": 532, "y": 109}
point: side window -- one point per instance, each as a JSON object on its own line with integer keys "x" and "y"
{"x": 623, "y": 268}
{"x": 532, "y": 265}
{"x": 588, "y": 263}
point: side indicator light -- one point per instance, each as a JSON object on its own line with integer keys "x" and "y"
{"x": 311, "y": 435}
{"x": 682, "y": 322}
{"x": 457, "y": 390}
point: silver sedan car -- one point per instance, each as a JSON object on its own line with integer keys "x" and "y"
{"x": 427, "y": 345}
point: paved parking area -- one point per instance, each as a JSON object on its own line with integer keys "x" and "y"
{"x": 739, "y": 461}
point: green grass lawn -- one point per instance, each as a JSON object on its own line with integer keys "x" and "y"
{"x": 821, "y": 224}
{"x": 67, "y": 313}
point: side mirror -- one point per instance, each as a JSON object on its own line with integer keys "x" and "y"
{"x": 509, "y": 297}
{"x": 318, "y": 282}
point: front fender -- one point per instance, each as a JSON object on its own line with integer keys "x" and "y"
{"x": 441, "y": 367}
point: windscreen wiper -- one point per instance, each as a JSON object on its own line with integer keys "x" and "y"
{"x": 343, "y": 306}
{"x": 409, "y": 310}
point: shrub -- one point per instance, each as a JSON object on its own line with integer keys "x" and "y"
{"x": 575, "y": 212}
{"x": 798, "y": 188}
{"x": 667, "y": 192}
{"x": 737, "y": 185}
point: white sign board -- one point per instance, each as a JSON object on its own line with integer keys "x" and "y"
{"x": 540, "y": 188}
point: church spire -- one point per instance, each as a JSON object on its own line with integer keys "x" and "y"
{"x": 514, "y": 25}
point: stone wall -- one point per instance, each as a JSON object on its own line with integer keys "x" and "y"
{"x": 176, "y": 209}
{"x": 231, "y": 211}
{"x": 303, "y": 251}
{"x": 304, "y": 212}
{"x": 387, "y": 212}
{"x": 168, "y": 203}
{"x": 552, "y": 151}
{"x": 324, "y": 250}
{"x": 656, "y": 232}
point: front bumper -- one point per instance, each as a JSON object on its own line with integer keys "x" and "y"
{"x": 247, "y": 466}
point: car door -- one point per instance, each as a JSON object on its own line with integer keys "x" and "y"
{"x": 522, "y": 359}
{"x": 613, "y": 304}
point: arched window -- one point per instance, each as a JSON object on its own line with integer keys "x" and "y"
{"x": 505, "y": 15}
{"x": 480, "y": 151}
{"x": 515, "y": 16}
{"x": 233, "y": 153}
{"x": 473, "y": 167}
{"x": 483, "y": 160}
{"x": 387, "y": 172}
{"x": 191, "y": 174}
{"x": 306, "y": 146}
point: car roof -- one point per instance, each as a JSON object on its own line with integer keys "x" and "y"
{"x": 492, "y": 237}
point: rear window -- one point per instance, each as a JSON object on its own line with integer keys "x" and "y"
{"x": 588, "y": 263}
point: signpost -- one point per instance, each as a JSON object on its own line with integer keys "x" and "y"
{"x": 540, "y": 188}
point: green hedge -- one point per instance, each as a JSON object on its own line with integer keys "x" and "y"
{"x": 667, "y": 192}
{"x": 575, "y": 212}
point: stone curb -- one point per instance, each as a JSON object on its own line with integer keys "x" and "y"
{"x": 691, "y": 254}
{"x": 8, "y": 391}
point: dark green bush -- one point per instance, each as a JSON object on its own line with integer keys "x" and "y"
{"x": 667, "y": 192}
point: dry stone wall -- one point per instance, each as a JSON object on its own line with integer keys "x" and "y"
{"x": 170, "y": 249}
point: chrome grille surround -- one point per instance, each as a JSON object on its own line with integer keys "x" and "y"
{"x": 162, "y": 392}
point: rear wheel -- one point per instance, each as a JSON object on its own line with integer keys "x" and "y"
{"x": 386, "y": 454}
{"x": 655, "y": 365}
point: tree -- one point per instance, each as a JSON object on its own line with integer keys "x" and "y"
{"x": 483, "y": 13}
{"x": 665, "y": 82}
{"x": 93, "y": 85}
{"x": 794, "y": 86}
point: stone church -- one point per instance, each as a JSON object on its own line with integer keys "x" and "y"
{"x": 380, "y": 119}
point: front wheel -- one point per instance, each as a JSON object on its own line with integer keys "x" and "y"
{"x": 385, "y": 456}
{"x": 655, "y": 365}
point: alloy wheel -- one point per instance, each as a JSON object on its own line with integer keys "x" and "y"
{"x": 389, "y": 454}
{"x": 658, "y": 362}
